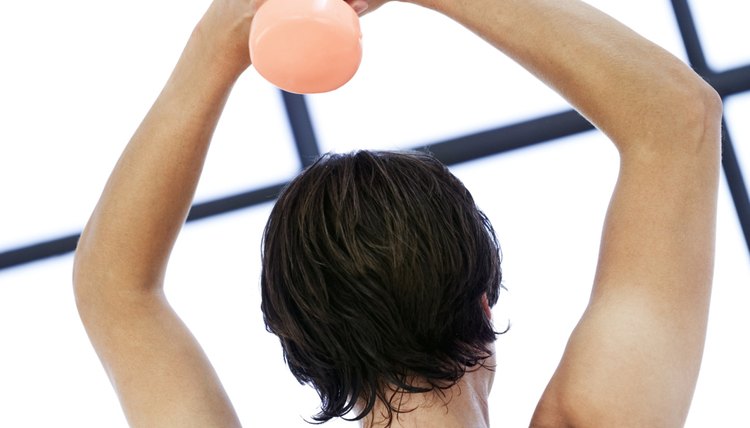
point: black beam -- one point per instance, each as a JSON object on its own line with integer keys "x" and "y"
{"x": 690, "y": 37}
{"x": 302, "y": 127}
{"x": 731, "y": 82}
{"x": 67, "y": 244}
{"x": 736, "y": 183}
{"x": 234, "y": 202}
{"x": 38, "y": 251}
{"x": 507, "y": 138}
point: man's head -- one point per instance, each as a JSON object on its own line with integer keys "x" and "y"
{"x": 375, "y": 265}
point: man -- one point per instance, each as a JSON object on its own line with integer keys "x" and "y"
{"x": 634, "y": 357}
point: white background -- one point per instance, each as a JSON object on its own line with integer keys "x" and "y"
{"x": 77, "y": 77}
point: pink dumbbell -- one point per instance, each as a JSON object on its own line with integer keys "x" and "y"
{"x": 306, "y": 46}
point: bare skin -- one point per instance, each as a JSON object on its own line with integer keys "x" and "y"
{"x": 633, "y": 359}
{"x": 463, "y": 405}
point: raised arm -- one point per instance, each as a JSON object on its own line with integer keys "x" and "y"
{"x": 161, "y": 375}
{"x": 634, "y": 357}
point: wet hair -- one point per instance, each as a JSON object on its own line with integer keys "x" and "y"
{"x": 374, "y": 267}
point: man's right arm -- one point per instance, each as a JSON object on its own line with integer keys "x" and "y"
{"x": 633, "y": 359}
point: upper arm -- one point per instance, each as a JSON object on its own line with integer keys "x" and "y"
{"x": 158, "y": 369}
{"x": 634, "y": 357}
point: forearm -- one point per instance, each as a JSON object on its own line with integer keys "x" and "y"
{"x": 130, "y": 234}
{"x": 616, "y": 78}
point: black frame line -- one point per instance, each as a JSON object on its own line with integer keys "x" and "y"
{"x": 736, "y": 182}
{"x": 462, "y": 149}
{"x": 302, "y": 128}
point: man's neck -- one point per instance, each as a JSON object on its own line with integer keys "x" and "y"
{"x": 463, "y": 405}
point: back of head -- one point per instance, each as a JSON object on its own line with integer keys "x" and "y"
{"x": 374, "y": 267}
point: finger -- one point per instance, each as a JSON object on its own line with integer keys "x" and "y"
{"x": 359, "y": 6}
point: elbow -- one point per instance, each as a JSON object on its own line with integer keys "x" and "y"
{"x": 711, "y": 104}
{"x": 706, "y": 142}
{"x": 81, "y": 278}
{"x": 105, "y": 280}
{"x": 682, "y": 124}
{"x": 93, "y": 298}
{"x": 713, "y": 110}
{"x": 703, "y": 112}
{"x": 88, "y": 278}
{"x": 677, "y": 117}
{"x": 712, "y": 100}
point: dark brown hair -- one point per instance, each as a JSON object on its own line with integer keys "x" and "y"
{"x": 374, "y": 267}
